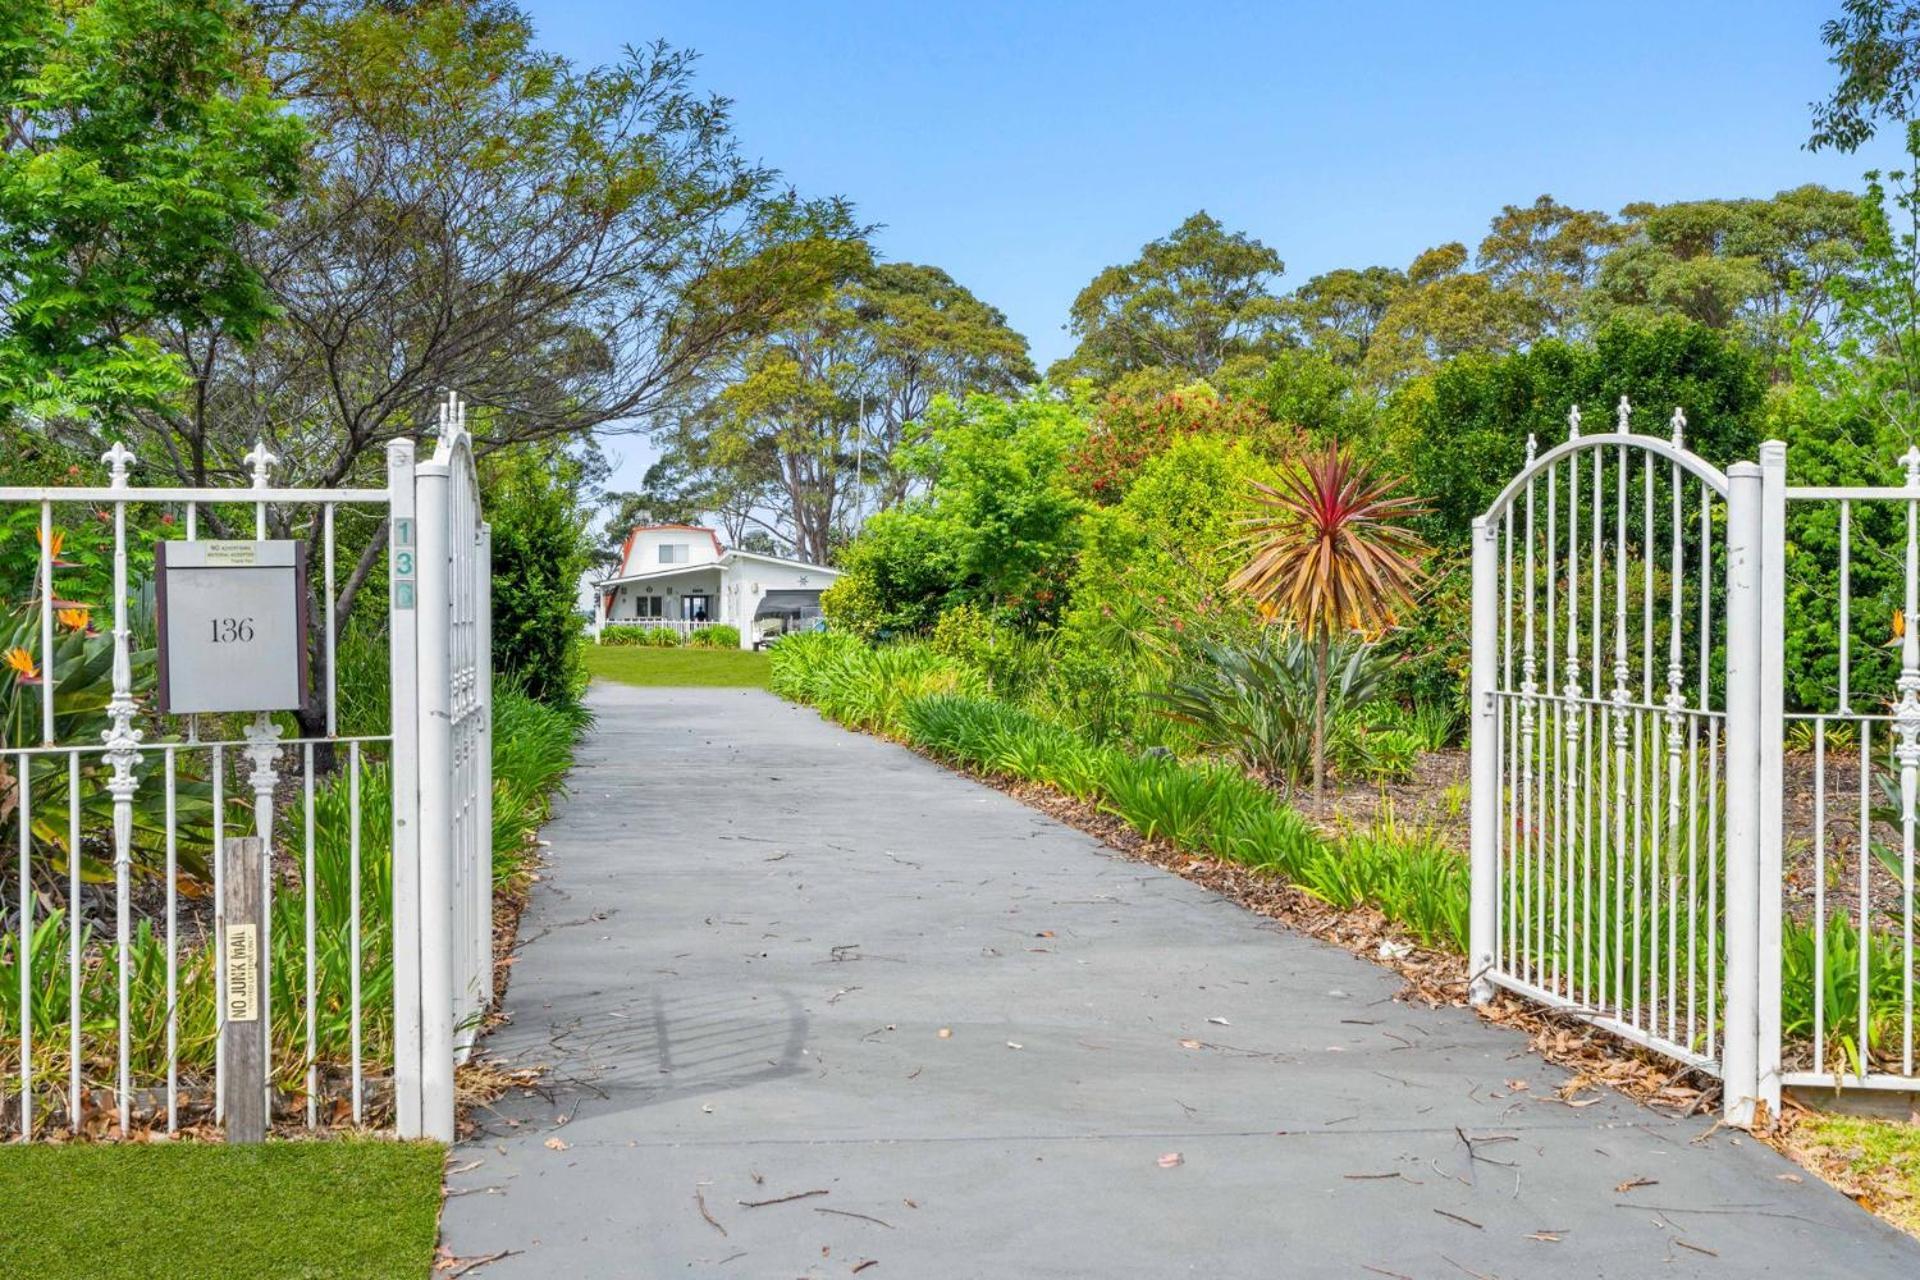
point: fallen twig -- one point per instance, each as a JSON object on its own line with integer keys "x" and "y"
{"x": 700, "y": 1199}
{"x": 466, "y": 1265}
{"x": 864, "y": 1217}
{"x": 798, "y": 1195}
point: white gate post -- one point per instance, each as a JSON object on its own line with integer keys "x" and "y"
{"x": 1739, "y": 1054}
{"x": 1772, "y": 640}
{"x": 1483, "y": 862}
{"x": 403, "y": 561}
{"x": 435, "y": 939}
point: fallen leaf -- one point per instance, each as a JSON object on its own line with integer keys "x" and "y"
{"x": 1172, "y": 1160}
{"x": 556, "y": 1144}
{"x": 1219, "y": 1022}
{"x": 1189, "y": 1044}
{"x": 1631, "y": 1183}
{"x": 946, "y": 1033}
{"x": 1545, "y": 1237}
{"x": 1015, "y": 1044}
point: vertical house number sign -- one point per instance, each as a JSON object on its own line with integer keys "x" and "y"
{"x": 232, "y": 626}
{"x": 403, "y": 563}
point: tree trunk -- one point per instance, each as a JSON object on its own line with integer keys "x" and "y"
{"x": 1320, "y": 647}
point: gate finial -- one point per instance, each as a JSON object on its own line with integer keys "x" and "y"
{"x": 1679, "y": 427}
{"x": 118, "y": 460}
{"x": 1533, "y": 447}
{"x": 453, "y": 415}
{"x": 1573, "y": 423}
{"x": 1623, "y": 412}
{"x": 1911, "y": 461}
{"x": 261, "y": 461}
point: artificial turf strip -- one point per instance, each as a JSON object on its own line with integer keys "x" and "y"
{"x": 632, "y": 664}
{"x": 323, "y": 1210}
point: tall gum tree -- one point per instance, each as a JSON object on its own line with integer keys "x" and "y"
{"x": 1190, "y": 304}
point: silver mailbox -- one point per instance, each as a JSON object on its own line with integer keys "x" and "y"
{"x": 232, "y": 626}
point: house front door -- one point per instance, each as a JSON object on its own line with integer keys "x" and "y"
{"x": 696, "y": 608}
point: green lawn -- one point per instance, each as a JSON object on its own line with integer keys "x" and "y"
{"x": 324, "y": 1210}
{"x": 1875, "y": 1159}
{"x": 633, "y": 665}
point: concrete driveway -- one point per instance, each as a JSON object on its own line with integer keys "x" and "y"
{"x": 813, "y": 1006}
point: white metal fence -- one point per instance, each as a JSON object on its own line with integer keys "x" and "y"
{"x": 681, "y": 627}
{"x": 114, "y": 980}
{"x": 1656, "y": 841}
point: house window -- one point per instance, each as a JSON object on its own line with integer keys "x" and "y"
{"x": 673, "y": 553}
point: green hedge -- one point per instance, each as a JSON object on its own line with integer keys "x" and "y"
{"x": 720, "y": 635}
{"x": 640, "y": 637}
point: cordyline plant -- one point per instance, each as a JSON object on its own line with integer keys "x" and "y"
{"x": 1330, "y": 552}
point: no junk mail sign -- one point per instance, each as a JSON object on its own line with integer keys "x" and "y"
{"x": 233, "y": 625}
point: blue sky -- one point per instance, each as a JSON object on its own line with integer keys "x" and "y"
{"x": 1023, "y": 147}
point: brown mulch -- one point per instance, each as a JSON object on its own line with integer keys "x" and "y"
{"x": 1434, "y": 800}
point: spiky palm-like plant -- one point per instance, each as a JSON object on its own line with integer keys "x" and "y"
{"x": 1330, "y": 551}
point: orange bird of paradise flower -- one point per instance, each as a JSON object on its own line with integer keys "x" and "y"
{"x": 73, "y": 619}
{"x": 21, "y": 662}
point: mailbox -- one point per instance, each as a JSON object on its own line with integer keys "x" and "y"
{"x": 232, "y": 626}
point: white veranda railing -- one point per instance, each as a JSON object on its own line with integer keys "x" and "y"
{"x": 1633, "y": 791}
{"x": 113, "y": 986}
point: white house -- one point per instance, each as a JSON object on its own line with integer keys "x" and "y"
{"x": 678, "y": 576}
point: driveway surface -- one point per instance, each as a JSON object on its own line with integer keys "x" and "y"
{"x": 945, "y": 1036}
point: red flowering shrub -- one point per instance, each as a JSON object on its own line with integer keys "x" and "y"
{"x": 1128, "y": 433}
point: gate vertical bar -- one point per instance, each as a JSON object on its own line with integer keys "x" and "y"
{"x": 403, "y": 663}
{"x": 484, "y": 765}
{"x": 1771, "y": 643}
{"x": 1484, "y": 875}
{"x": 1739, "y": 1059}
{"x": 435, "y": 733}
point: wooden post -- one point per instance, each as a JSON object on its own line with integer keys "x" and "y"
{"x": 243, "y": 1032}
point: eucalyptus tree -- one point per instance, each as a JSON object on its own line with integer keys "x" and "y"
{"x": 1336, "y": 313}
{"x": 570, "y": 248}
{"x": 1446, "y": 309}
{"x": 1191, "y": 304}
{"x": 1876, "y": 46}
{"x": 796, "y": 430}
{"x": 1770, "y": 269}
{"x": 1549, "y": 254}
{"x": 924, "y": 335}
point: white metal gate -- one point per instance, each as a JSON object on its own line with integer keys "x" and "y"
{"x": 1631, "y": 760}
{"x": 116, "y": 814}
